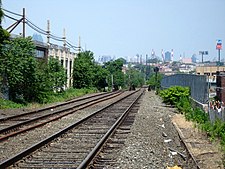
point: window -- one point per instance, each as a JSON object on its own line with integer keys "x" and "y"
{"x": 40, "y": 54}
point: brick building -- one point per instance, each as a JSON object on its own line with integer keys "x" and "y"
{"x": 220, "y": 83}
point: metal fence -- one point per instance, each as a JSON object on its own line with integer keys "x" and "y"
{"x": 196, "y": 83}
{"x": 214, "y": 115}
{"x": 199, "y": 92}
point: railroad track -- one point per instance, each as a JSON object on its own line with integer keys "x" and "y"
{"x": 107, "y": 155}
{"x": 76, "y": 145}
{"x": 17, "y": 124}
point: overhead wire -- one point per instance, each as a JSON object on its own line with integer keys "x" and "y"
{"x": 11, "y": 17}
{"x": 41, "y": 31}
{"x": 12, "y": 12}
{"x": 35, "y": 25}
{"x": 37, "y": 30}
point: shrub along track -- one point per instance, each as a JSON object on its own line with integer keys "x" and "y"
{"x": 17, "y": 124}
{"x": 70, "y": 146}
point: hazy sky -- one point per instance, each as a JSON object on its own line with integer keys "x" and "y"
{"x": 129, "y": 27}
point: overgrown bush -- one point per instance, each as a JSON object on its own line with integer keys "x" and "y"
{"x": 173, "y": 94}
{"x": 197, "y": 115}
{"x": 179, "y": 97}
{"x": 184, "y": 105}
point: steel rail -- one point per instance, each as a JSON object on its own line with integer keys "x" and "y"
{"x": 53, "y": 106}
{"x": 71, "y": 110}
{"x": 98, "y": 146}
{"x": 19, "y": 156}
{"x": 186, "y": 147}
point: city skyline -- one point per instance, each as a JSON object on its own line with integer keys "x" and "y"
{"x": 130, "y": 27}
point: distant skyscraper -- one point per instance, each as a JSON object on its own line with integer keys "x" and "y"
{"x": 37, "y": 37}
{"x": 163, "y": 59}
{"x": 153, "y": 53}
{"x": 105, "y": 58}
{"x": 172, "y": 55}
{"x": 194, "y": 58}
{"x": 167, "y": 56}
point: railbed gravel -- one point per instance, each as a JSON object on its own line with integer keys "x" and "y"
{"x": 20, "y": 142}
{"x": 145, "y": 146}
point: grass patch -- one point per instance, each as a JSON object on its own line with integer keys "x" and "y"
{"x": 49, "y": 98}
{"x": 6, "y": 104}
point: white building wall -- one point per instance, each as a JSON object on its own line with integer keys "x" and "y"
{"x": 64, "y": 54}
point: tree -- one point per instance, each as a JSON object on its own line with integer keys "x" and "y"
{"x": 155, "y": 81}
{"x": 87, "y": 73}
{"x": 123, "y": 60}
{"x": 4, "y": 36}
{"x": 83, "y": 70}
{"x": 18, "y": 67}
{"x": 115, "y": 69}
{"x": 56, "y": 74}
{"x": 100, "y": 77}
{"x": 134, "y": 77}
{"x": 50, "y": 78}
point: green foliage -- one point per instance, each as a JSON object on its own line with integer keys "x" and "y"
{"x": 134, "y": 77}
{"x": 5, "y": 104}
{"x": 155, "y": 80}
{"x": 50, "y": 79}
{"x": 56, "y": 74}
{"x": 26, "y": 78}
{"x": 115, "y": 69}
{"x": 67, "y": 95}
{"x": 18, "y": 68}
{"x": 4, "y": 35}
{"x": 50, "y": 98}
{"x": 173, "y": 94}
{"x": 214, "y": 130}
{"x": 99, "y": 80}
{"x": 86, "y": 73}
{"x": 184, "y": 105}
{"x": 197, "y": 115}
{"x": 83, "y": 70}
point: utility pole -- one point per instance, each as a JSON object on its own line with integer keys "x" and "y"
{"x": 64, "y": 38}
{"x": 48, "y": 33}
{"x": 24, "y": 22}
{"x": 79, "y": 47}
{"x": 146, "y": 67}
{"x": 203, "y": 53}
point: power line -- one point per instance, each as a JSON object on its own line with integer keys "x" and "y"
{"x": 28, "y": 21}
{"x": 32, "y": 27}
{"x": 11, "y": 17}
{"x": 40, "y": 30}
{"x": 11, "y": 12}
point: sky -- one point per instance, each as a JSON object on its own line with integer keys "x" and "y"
{"x": 125, "y": 28}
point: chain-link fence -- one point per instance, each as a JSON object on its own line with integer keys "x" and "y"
{"x": 197, "y": 84}
{"x": 215, "y": 114}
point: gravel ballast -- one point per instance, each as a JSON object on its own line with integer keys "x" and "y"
{"x": 147, "y": 145}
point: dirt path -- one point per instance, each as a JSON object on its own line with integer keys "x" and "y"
{"x": 207, "y": 154}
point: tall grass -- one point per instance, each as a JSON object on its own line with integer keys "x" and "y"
{"x": 49, "y": 98}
